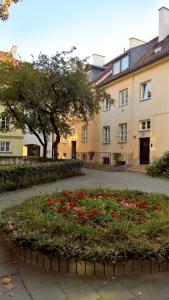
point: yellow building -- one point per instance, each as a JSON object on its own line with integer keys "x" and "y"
{"x": 11, "y": 141}
{"x": 134, "y": 129}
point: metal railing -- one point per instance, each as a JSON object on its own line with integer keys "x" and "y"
{"x": 107, "y": 158}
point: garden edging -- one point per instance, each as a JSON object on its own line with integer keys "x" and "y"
{"x": 65, "y": 265}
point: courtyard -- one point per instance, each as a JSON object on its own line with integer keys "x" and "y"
{"x": 30, "y": 282}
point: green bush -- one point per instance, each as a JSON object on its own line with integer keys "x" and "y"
{"x": 160, "y": 167}
{"x": 14, "y": 177}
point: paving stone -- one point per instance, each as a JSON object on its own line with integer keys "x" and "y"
{"x": 82, "y": 291}
{"x": 8, "y": 268}
{"x": 48, "y": 292}
{"x": 150, "y": 291}
{"x": 114, "y": 292}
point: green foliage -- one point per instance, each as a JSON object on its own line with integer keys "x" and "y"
{"x": 45, "y": 95}
{"x": 14, "y": 177}
{"x": 37, "y": 223}
{"x": 160, "y": 167}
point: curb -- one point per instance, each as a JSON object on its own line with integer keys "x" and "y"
{"x": 83, "y": 267}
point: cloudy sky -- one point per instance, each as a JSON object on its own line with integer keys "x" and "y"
{"x": 93, "y": 26}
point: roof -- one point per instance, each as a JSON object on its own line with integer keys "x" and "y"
{"x": 140, "y": 57}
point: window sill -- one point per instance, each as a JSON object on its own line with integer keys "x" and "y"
{"x": 106, "y": 143}
{"x": 106, "y": 110}
{"x": 142, "y": 100}
{"x": 124, "y": 105}
{"x": 5, "y": 152}
{"x": 84, "y": 142}
{"x": 124, "y": 142}
{"x": 143, "y": 130}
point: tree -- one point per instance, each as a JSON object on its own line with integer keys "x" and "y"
{"x": 20, "y": 88}
{"x": 4, "y": 8}
{"x": 49, "y": 94}
{"x": 69, "y": 95}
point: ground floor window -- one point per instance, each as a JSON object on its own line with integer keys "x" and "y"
{"x": 4, "y": 146}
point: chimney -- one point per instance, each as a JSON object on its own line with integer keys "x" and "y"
{"x": 133, "y": 42}
{"x": 163, "y": 23}
{"x": 14, "y": 51}
{"x": 97, "y": 60}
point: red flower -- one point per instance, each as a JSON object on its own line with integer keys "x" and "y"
{"x": 114, "y": 215}
{"x": 143, "y": 205}
{"x": 155, "y": 207}
{"x": 62, "y": 210}
{"x": 49, "y": 199}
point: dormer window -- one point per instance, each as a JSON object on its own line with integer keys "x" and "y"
{"x": 157, "y": 50}
{"x": 124, "y": 63}
{"x": 121, "y": 65}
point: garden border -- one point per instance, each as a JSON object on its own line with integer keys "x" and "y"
{"x": 82, "y": 267}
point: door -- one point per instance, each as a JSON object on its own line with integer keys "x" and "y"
{"x": 144, "y": 151}
{"x": 74, "y": 150}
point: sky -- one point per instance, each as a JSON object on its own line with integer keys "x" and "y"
{"x": 92, "y": 26}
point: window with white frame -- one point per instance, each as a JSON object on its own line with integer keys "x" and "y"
{"x": 146, "y": 90}
{"x": 106, "y": 105}
{"x": 124, "y": 63}
{"x": 124, "y": 97}
{"x": 106, "y": 135}
{"x": 84, "y": 134}
{"x": 64, "y": 138}
{"x": 4, "y": 123}
{"x": 4, "y": 146}
{"x": 116, "y": 67}
{"x": 145, "y": 125}
{"x": 73, "y": 131}
{"x": 123, "y": 133}
{"x": 121, "y": 65}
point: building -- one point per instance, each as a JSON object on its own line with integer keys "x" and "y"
{"x": 11, "y": 141}
{"x": 134, "y": 129}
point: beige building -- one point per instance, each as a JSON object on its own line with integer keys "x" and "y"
{"x": 11, "y": 141}
{"x": 134, "y": 129}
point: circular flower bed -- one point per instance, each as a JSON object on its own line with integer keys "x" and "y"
{"x": 95, "y": 225}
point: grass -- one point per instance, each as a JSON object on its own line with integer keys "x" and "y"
{"x": 97, "y": 225}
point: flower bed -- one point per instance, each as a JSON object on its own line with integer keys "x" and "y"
{"x": 95, "y": 225}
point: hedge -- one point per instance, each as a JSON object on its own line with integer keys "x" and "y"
{"x": 15, "y": 177}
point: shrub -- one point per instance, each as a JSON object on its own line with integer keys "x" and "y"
{"x": 21, "y": 176}
{"x": 160, "y": 167}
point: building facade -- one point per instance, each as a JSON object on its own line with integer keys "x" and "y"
{"x": 134, "y": 129}
{"x": 11, "y": 141}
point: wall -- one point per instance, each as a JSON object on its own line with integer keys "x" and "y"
{"x": 156, "y": 109}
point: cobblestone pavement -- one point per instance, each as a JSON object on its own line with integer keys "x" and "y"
{"x": 29, "y": 282}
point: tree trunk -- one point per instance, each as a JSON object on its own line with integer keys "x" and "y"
{"x": 55, "y": 146}
{"x": 44, "y": 151}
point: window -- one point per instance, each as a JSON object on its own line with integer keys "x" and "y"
{"x": 116, "y": 67}
{"x": 106, "y": 135}
{"x": 145, "y": 125}
{"x": 121, "y": 65}
{"x": 73, "y": 131}
{"x": 84, "y": 156}
{"x": 64, "y": 138}
{"x": 124, "y": 97}
{"x": 123, "y": 133}
{"x": 4, "y": 146}
{"x": 4, "y": 121}
{"x": 84, "y": 134}
{"x": 146, "y": 90}
{"x": 106, "y": 105}
{"x": 124, "y": 63}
